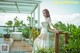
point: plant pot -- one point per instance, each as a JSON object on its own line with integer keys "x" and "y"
{"x": 17, "y": 35}
{"x": 26, "y": 36}
{"x": 6, "y": 35}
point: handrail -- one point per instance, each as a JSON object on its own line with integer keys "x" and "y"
{"x": 13, "y": 27}
{"x": 57, "y": 40}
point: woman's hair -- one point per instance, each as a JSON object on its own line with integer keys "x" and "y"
{"x": 47, "y": 12}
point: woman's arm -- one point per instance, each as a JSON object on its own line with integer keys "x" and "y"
{"x": 52, "y": 29}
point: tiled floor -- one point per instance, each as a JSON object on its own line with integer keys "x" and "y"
{"x": 21, "y": 46}
{"x": 17, "y": 46}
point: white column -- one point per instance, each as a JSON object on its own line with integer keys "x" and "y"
{"x": 33, "y": 17}
{"x": 39, "y": 15}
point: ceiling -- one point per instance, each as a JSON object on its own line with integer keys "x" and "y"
{"x": 18, "y": 6}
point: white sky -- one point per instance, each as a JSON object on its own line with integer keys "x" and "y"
{"x": 67, "y": 13}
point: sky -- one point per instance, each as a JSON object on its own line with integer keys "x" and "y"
{"x": 67, "y": 11}
{"x": 61, "y": 8}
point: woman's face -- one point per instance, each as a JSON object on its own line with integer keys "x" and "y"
{"x": 44, "y": 14}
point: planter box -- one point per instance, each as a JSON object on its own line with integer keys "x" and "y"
{"x": 17, "y": 35}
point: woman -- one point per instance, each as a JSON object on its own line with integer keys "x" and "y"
{"x": 42, "y": 41}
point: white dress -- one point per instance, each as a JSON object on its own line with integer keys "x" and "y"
{"x": 41, "y": 42}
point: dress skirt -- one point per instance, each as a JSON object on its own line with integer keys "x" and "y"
{"x": 43, "y": 43}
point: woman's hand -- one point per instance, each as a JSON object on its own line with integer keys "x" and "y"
{"x": 56, "y": 31}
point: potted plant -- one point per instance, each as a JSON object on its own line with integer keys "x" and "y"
{"x": 26, "y": 32}
{"x": 17, "y": 35}
{"x": 26, "y": 29}
{"x": 33, "y": 28}
{"x": 35, "y": 33}
{"x": 7, "y": 29}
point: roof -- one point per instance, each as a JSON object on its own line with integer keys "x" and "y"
{"x": 18, "y": 6}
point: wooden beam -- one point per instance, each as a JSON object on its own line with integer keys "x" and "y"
{"x": 66, "y": 38}
{"x": 57, "y": 43}
{"x": 57, "y": 40}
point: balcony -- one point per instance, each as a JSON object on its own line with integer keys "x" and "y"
{"x": 25, "y": 44}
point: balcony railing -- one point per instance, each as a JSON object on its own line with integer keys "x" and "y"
{"x": 57, "y": 40}
{"x": 13, "y": 28}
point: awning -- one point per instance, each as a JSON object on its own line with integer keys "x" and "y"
{"x": 18, "y": 6}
